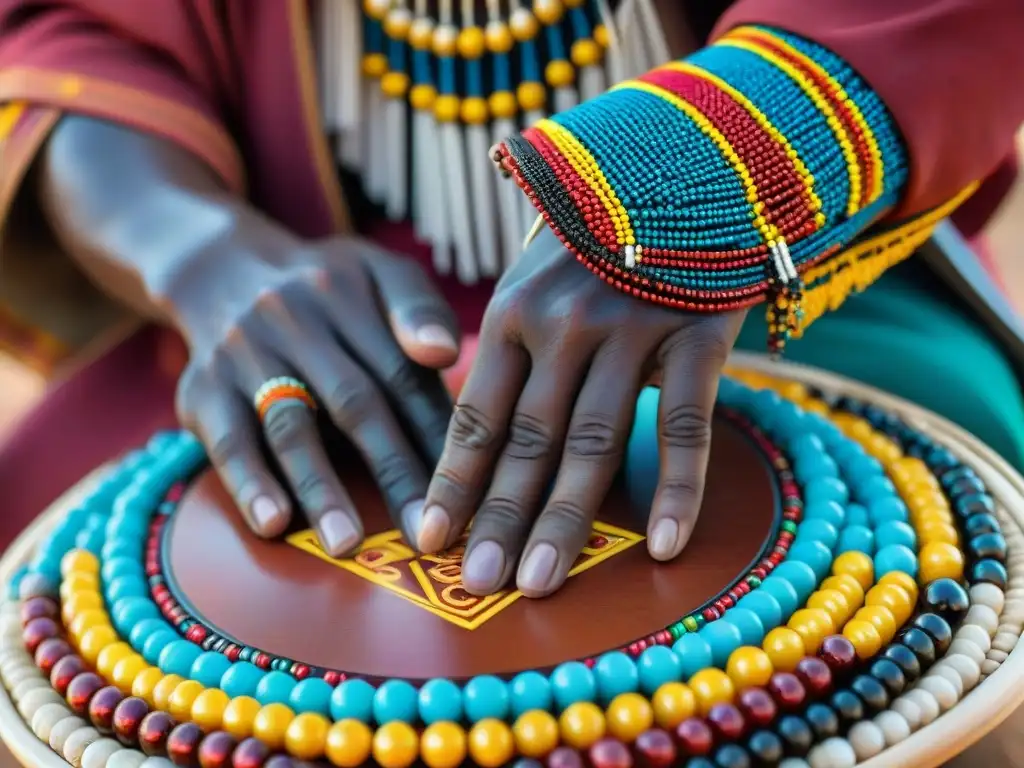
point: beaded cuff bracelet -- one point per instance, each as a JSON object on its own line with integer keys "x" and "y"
{"x": 735, "y": 176}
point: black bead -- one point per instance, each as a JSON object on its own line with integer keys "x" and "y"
{"x": 823, "y": 721}
{"x": 990, "y": 571}
{"x": 970, "y": 504}
{"x": 851, "y": 405}
{"x": 978, "y": 524}
{"x": 888, "y": 673}
{"x": 871, "y": 692}
{"x": 732, "y": 756}
{"x": 848, "y": 706}
{"x": 918, "y": 641}
{"x": 699, "y": 762}
{"x": 969, "y": 497}
{"x": 766, "y": 748}
{"x": 938, "y": 630}
{"x": 527, "y": 762}
{"x": 916, "y": 451}
{"x": 876, "y": 416}
{"x": 951, "y": 477}
{"x": 991, "y": 545}
{"x": 946, "y": 598}
{"x": 905, "y": 659}
{"x": 796, "y": 735}
{"x": 941, "y": 461}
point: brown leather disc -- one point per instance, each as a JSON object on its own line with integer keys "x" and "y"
{"x": 389, "y": 614}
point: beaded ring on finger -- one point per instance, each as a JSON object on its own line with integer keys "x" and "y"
{"x": 281, "y": 389}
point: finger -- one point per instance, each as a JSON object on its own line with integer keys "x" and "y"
{"x": 594, "y": 446}
{"x": 225, "y": 424}
{"x": 290, "y": 430}
{"x": 475, "y": 437}
{"x": 692, "y": 361}
{"x": 356, "y": 406}
{"x": 420, "y": 318}
{"x": 524, "y": 470}
{"x": 416, "y": 393}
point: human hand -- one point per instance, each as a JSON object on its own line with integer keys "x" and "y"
{"x": 552, "y": 392}
{"x": 363, "y": 329}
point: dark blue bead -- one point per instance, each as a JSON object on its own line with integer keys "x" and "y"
{"x": 823, "y": 720}
{"x": 973, "y": 504}
{"x": 983, "y": 523}
{"x": 871, "y": 692}
{"x": 987, "y": 545}
{"x": 989, "y": 571}
{"x": 938, "y": 630}
{"x": 905, "y": 659}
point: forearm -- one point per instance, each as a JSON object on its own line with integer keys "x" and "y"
{"x": 144, "y": 218}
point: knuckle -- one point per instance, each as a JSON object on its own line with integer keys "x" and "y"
{"x": 223, "y": 448}
{"x": 312, "y": 487}
{"x": 402, "y": 376}
{"x": 448, "y": 487}
{"x": 504, "y": 513}
{"x": 593, "y": 436}
{"x": 469, "y": 428}
{"x": 682, "y": 490}
{"x": 685, "y": 426}
{"x": 505, "y": 309}
{"x": 567, "y": 515}
{"x": 267, "y": 301}
{"x": 287, "y": 427}
{"x": 352, "y": 402}
{"x": 528, "y": 438}
{"x": 317, "y": 276}
{"x": 394, "y": 475}
{"x": 705, "y": 343}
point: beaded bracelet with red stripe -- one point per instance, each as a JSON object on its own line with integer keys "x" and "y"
{"x": 710, "y": 184}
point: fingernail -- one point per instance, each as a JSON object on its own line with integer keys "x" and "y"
{"x": 436, "y": 336}
{"x": 538, "y": 570}
{"x": 664, "y": 539}
{"x": 483, "y": 566}
{"x": 434, "y": 527}
{"x": 337, "y": 533}
{"x": 266, "y": 515}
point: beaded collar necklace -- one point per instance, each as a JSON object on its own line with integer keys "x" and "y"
{"x": 414, "y": 101}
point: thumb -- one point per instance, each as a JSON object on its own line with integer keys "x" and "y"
{"x": 420, "y": 318}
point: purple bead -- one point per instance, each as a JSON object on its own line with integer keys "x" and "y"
{"x": 656, "y": 749}
{"x": 183, "y": 744}
{"x": 102, "y": 707}
{"x": 565, "y": 757}
{"x": 215, "y": 750}
{"x": 128, "y": 716}
{"x": 153, "y": 732}
{"x": 250, "y": 753}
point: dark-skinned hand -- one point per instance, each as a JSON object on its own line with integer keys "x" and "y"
{"x": 363, "y": 329}
{"x": 561, "y": 361}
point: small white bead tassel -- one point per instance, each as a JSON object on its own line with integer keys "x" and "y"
{"x": 482, "y": 181}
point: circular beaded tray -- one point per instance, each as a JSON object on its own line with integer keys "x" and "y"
{"x": 854, "y": 576}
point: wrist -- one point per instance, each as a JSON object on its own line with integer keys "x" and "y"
{"x": 228, "y": 245}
